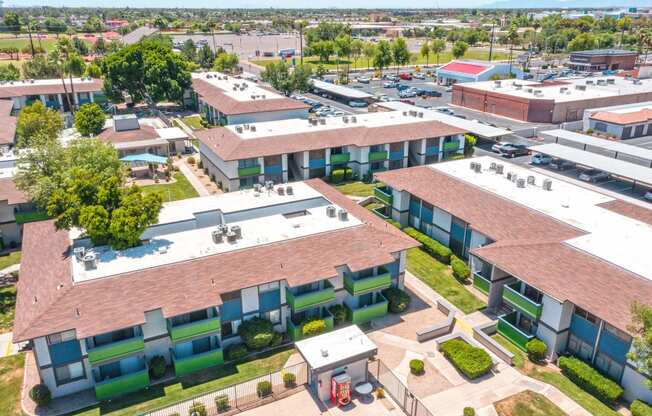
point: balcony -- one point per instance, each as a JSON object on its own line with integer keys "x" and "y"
{"x": 249, "y": 171}
{"x": 396, "y": 155}
{"x": 118, "y": 349}
{"x": 452, "y": 146}
{"x": 273, "y": 169}
{"x": 52, "y": 104}
{"x": 481, "y": 283}
{"x": 376, "y": 156}
{"x": 316, "y": 163}
{"x": 432, "y": 150}
{"x": 193, "y": 329}
{"x": 340, "y": 158}
{"x": 122, "y": 384}
{"x": 384, "y": 194}
{"x": 369, "y": 312}
{"x": 507, "y": 328}
{"x": 295, "y": 329}
{"x": 359, "y": 285}
{"x": 515, "y": 299}
{"x": 195, "y": 362}
{"x": 311, "y": 298}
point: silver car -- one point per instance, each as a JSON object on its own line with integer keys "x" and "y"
{"x": 593, "y": 175}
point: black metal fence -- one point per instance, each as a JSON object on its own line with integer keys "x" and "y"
{"x": 398, "y": 391}
{"x": 236, "y": 398}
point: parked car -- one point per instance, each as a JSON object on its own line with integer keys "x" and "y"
{"x": 402, "y": 87}
{"x": 593, "y": 175}
{"x": 407, "y": 94}
{"x": 561, "y": 164}
{"x": 428, "y": 93}
{"x": 419, "y": 75}
{"x": 356, "y": 103}
{"x": 445, "y": 110}
{"x": 498, "y": 147}
{"x": 391, "y": 77}
{"x": 405, "y": 76}
{"x": 648, "y": 196}
{"x": 540, "y": 159}
{"x": 514, "y": 150}
{"x": 390, "y": 84}
{"x": 364, "y": 80}
{"x": 449, "y": 89}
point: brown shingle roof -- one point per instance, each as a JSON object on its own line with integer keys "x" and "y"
{"x": 10, "y": 193}
{"x": 22, "y": 88}
{"x": 640, "y": 116}
{"x": 143, "y": 133}
{"x": 229, "y": 146}
{"x": 216, "y": 98}
{"x": 7, "y": 122}
{"x": 106, "y": 304}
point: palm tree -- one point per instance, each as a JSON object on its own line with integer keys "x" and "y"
{"x": 369, "y": 52}
{"x": 300, "y": 25}
{"x": 437, "y": 46}
{"x": 58, "y": 60}
{"x": 70, "y": 63}
{"x": 425, "y": 51}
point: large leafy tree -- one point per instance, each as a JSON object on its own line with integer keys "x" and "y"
{"x": 40, "y": 67}
{"x": 89, "y": 120}
{"x": 36, "y": 124}
{"x": 437, "y": 46}
{"x": 383, "y": 56}
{"x": 226, "y": 62}
{"x": 278, "y": 74}
{"x": 147, "y": 69}
{"x": 641, "y": 328}
{"x": 459, "y": 49}
{"x": 400, "y": 53}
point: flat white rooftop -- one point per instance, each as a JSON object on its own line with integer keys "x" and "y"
{"x": 335, "y": 347}
{"x": 184, "y": 228}
{"x": 340, "y": 89}
{"x": 617, "y": 239}
{"x": 238, "y": 89}
{"x": 575, "y": 89}
{"x": 611, "y": 145}
{"x": 36, "y": 82}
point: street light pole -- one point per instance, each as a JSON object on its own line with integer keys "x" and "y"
{"x": 491, "y": 41}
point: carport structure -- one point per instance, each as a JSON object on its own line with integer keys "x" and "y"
{"x": 614, "y": 149}
{"x": 340, "y": 92}
{"x": 629, "y": 171}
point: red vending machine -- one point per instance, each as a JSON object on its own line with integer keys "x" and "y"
{"x": 341, "y": 389}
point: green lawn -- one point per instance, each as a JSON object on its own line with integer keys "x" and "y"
{"x": 181, "y": 189}
{"x": 47, "y": 44}
{"x": 416, "y": 59}
{"x": 357, "y": 188}
{"x": 25, "y": 217}
{"x": 184, "y": 388}
{"x": 11, "y": 381}
{"x": 10, "y": 259}
{"x": 554, "y": 378}
{"x": 194, "y": 122}
{"x": 7, "y": 307}
{"x": 439, "y": 277}
{"x": 527, "y": 403}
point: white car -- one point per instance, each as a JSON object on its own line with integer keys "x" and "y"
{"x": 364, "y": 80}
{"x": 540, "y": 159}
{"x": 648, "y": 196}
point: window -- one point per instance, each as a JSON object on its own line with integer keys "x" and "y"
{"x": 579, "y": 348}
{"x": 235, "y": 295}
{"x": 268, "y": 287}
{"x": 60, "y": 337}
{"x": 617, "y": 333}
{"x": 230, "y": 328}
{"x": 377, "y": 148}
{"x": 248, "y": 163}
{"x": 586, "y": 315}
{"x": 377, "y": 165}
{"x": 274, "y": 316}
{"x": 600, "y": 126}
{"x": 608, "y": 366}
{"x": 395, "y": 164}
{"x": 69, "y": 372}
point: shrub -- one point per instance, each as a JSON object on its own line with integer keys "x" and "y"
{"x": 256, "y": 333}
{"x": 394, "y": 223}
{"x": 236, "y": 352}
{"x": 313, "y": 327}
{"x": 277, "y": 339}
{"x": 380, "y": 393}
{"x": 473, "y": 362}
{"x": 536, "y": 349}
{"x": 398, "y": 299}
{"x": 197, "y": 408}
{"x": 222, "y": 403}
{"x": 339, "y": 313}
{"x": 289, "y": 379}
{"x": 89, "y": 119}
{"x": 460, "y": 269}
{"x": 191, "y": 160}
{"x": 157, "y": 366}
{"x": 639, "y": 408}
{"x": 40, "y": 394}
{"x": 430, "y": 246}
{"x": 469, "y": 411}
{"x": 590, "y": 380}
{"x": 416, "y": 367}
{"x": 264, "y": 388}
{"x": 337, "y": 175}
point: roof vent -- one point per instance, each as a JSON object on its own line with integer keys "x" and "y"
{"x": 90, "y": 261}
{"x": 331, "y": 211}
{"x": 547, "y": 185}
{"x": 217, "y": 236}
{"x": 492, "y": 166}
{"x": 343, "y": 215}
{"x": 531, "y": 180}
{"x": 324, "y": 352}
{"x": 500, "y": 168}
{"x": 288, "y": 190}
{"x": 238, "y": 129}
{"x": 280, "y": 190}
{"x": 478, "y": 168}
{"x": 520, "y": 182}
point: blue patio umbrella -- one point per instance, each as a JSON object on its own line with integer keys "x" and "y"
{"x": 146, "y": 158}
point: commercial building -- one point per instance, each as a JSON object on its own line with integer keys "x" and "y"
{"x": 602, "y": 59}
{"x": 621, "y": 122}
{"x": 52, "y": 93}
{"x": 471, "y": 71}
{"x": 224, "y": 99}
{"x": 95, "y": 316}
{"x": 242, "y": 155}
{"x": 550, "y": 101}
{"x": 557, "y": 261}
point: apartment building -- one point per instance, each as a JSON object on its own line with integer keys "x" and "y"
{"x": 240, "y": 156}
{"x": 13, "y": 206}
{"x": 557, "y": 261}
{"x": 132, "y": 135}
{"x": 95, "y": 316}
{"x": 621, "y": 122}
{"x": 224, "y": 99}
{"x": 52, "y": 93}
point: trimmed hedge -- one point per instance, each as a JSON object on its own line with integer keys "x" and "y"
{"x": 341, "y": 174}
{"x": 398, "y": 299}
{"x": 313, "y": 327}
{"x": 590, "y": 379}
{"x": 236, "y": 352}
{"x": 430, "y": 245}
{"x": 639, "y": 408}
{"x": 416, "y": 367}
{"x": 339, "y": 313}
{"x": 222, "y": 403}
{"x": 473, "y": 362}
{"x": 40, "y": 394}
{"x": 256, "y": 333}
{"x": 536, "y": 349}
{"x": 289, "y": 379}
{"x": 469, "y": 411}
{"x": 157, "y": 366}
{"x": 277, "y": 339}
{"x": 197, "y": 408}
{"x": 460, "y": 269}
{"x": 394, "y": 223}
{"x": 264, "y": 388}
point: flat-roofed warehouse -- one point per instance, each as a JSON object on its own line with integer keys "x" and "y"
{"x": 556, "y": 101}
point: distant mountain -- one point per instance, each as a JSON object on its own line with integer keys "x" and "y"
{"x": 564, "y": 4}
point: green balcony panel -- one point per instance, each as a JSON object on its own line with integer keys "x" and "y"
{"x": 340, "y": 158}
{"x": 481, "y": 283}
{"x": 375, "y": 156}
{"x": 124, "y": 384}
{"x": 296, "y": 330}
{"x": 520, "y": 302}
{"x": 369, "y": 312}
{"x": 451, "y": 146}
{"x": 366, "y": 284}
{"x": 384, "y": 194}
{"x": 193, "y": 329}
{"x": 508, "y": 330}
{"x": 187, "y": 365}
{"x": 116, "y": 349}
{"x": 250, "y": 171}
{"x": 310, "y": 299}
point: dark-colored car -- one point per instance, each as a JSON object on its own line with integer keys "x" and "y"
{"x": 428, "y": 93}
{"x": 514, "y": 150}
{"x": 561, "y": 164}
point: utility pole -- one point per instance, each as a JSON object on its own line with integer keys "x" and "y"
{"x": 491, "y": 41}
{"x": 31, "y": 41}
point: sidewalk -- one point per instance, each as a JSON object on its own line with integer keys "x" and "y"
{"x": 10, "y": 269}
{"x": 7, "y": 347}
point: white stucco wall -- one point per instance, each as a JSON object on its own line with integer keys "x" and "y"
{"x": 41, "y": 351}
{"x": 357, "y": 371}
{"x": 635, "y": 387}
{"x": 249, "y": 299}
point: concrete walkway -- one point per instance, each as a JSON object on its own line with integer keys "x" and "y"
{"x": 194, "y": 181}
{"x": 10, "y": 269}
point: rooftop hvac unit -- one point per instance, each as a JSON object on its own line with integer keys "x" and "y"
{"x": 520, "y": 183}
{"x": 253, "y": 97}
{"x": 330, "y": 211}
{"x": 518, "y": 87}
{"x": 531, "y": 180}
{"x": 492, "y": 166}
{"x": 322, "y": 121}
{"x": 514, "y": 177}
{"x": 90, "y": 261}
{"x": 238, "y": 129}
{"x": 528, "y": 90}
{"x": 79, "y": 253}
{"x": 269, "y": 185}
{"x": 500, "y": 168}
{"x": 217, "y": 236}
{"x": 246, "y": 126}
{"x": 602, "y": 82}
{"x": 223, "y": 228}
{"x": 354, "y": 119}
{"x": 345, "y": 119}
{"x": 413, "y": 113}
{"x": 231, "y": 237}
{"x": 563, "y": 89}
{"x": 252, "y": 128}
{"x": 472, "y": 165}
{"x": 288, "y": 190}
{"x": 509, "y": 176}
{"x": 611, "y": 81}
{"x": 478, "y": 168}
{"x": 280, "y": 190}
{"x": 420, "y": 114}
{"x": 405, "y": 113}
{"x": 497, "y": 83}
{"x": 237, "y": 231}
{"x": 343, "y": 215}
{"x": 637, "y": 82}
{"x": 547, "y": 185}
{"x": 589, "y": 82}
{"x": 209, "y": 76}
{"x": 258, "y": 187}
{"x": 580, "y": 87}
{"x": 262, "y": 96}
